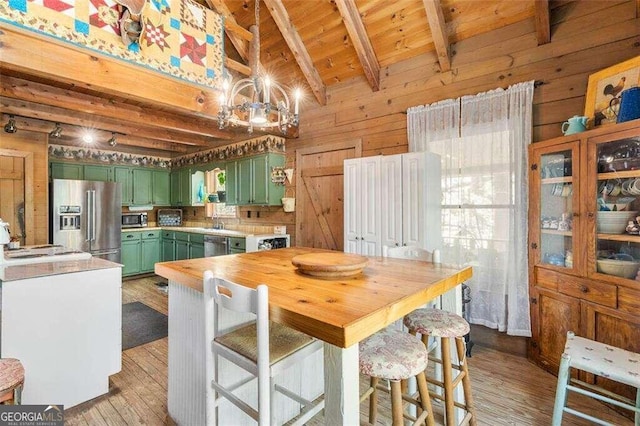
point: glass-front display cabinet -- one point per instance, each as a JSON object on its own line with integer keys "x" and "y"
{"x": 554, "y": 218}
{"x": 614, "y": 206}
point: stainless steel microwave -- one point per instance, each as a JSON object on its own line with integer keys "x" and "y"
{"x": 134, "y": 220}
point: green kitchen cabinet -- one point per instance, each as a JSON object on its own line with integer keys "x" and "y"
{"x": 181, "y": 187}
{"x": 130, "y": 253}
{"x": 186, "y": 185}
{"x": 168, "y": 246}
{"x": 149, "y": 250}
{"x": 249, "y": 181}
{"x": 161, "y": 184}
{"x": 196, "y": 246}
{"x": 237, "y": 245}
{"x": 96, "y": 172}
{"x": 182, "y": 245}
{"x": 123, "y": 175}
{"x": 141, "y": 186}
{"x": 66, "y": 171}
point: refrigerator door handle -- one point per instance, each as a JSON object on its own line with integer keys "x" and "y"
{"x": 89, "y": 215}
{"x": 102, "y": 252}
{"x": 93, "y": 215}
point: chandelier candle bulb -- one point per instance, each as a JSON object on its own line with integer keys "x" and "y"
{"x": 267, "y": 88}
{"x": 297, "y": 96}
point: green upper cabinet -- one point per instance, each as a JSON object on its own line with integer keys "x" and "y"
{"x": 123, "y": 175}
{"x": 96, "y": 172}
{"x": 66, "y": 171}
{"x": 249, "y": 181}
{"x": 161, "y": 188}
{"x": 141, "y": 186}
{"x": 187, "y": 187}
{"x": 181, "y": 187}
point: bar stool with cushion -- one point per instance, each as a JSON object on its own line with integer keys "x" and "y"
{"x": 395, "y": 356}
{"x": 602, "y": 360}
{"x": 262, "y": 348}
{"x": 446, "y": 325}
{"x": 11, "y": 381}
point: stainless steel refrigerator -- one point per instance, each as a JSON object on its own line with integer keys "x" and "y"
{"x": 86, "y": 216}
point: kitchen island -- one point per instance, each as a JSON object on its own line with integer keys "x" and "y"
{"x": 340, "y": 312}
{"x": 62, "y": 320}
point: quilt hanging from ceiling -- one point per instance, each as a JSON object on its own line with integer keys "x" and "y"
{"x": 179, "y": 38}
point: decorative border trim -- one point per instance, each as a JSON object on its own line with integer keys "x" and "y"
{"x": 259, "y": 145}
{"x": 69, "y": 153}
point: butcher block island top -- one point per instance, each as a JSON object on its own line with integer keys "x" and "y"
{"x": 340, "y": 311}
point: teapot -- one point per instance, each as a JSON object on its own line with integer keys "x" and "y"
{"x": 575, "y": 124}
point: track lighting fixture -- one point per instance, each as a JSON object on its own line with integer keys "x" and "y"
{"x": 112, "y": 141}
{"x": 10, "y": 127}
{"x": 56, "y": 132}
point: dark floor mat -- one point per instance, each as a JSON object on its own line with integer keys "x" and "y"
{"x": 141, "y": 324}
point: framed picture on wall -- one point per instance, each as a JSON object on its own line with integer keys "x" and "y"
{"x": 604, "y": 88}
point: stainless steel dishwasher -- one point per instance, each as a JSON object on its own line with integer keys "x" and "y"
{"x": 215, "y": 245}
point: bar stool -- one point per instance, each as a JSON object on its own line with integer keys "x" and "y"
{"x": 11, "y": 381}
{"x": 446, "y": 326}
{"x": 602, "y": 360}
{"x": 395, "y": 356}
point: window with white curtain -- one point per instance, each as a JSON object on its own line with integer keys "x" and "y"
{"x": 482, "y": 141}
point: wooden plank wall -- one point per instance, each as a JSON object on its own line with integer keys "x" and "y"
{"x": 585, "y": 37}
{"x": 35, "y": 143}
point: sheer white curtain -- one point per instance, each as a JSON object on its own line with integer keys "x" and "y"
{"x": 485, "y": 192}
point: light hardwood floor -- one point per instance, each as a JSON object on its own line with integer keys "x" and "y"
{"x": 508, "y": 390}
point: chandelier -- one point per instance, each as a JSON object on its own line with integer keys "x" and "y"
{"x": 263, "y": 103}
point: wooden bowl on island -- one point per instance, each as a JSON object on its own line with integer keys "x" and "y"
{"x": 330, "y": 265}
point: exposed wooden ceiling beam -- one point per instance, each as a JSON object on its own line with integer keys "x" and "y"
{"x": 438, "y": 33}
{"x": 637, "y": 8}
{"x": 543, "y": 25}
{"x": 361, "y": 43}
{"x": 232, "y": 29}
{"x": 73, "y": 134}
{"x": 30, "y": 91}
{"x": 293, "y": 40}
{"x": 92, "y": 121}
{"x": 34, "y": 55}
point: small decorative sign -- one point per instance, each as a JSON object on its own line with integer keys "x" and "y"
{"x": 278, "y": 175}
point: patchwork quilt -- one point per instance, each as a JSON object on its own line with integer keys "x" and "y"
{"x": 180, "y": 38}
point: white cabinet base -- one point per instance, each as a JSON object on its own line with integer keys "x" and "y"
{"x": 66, "y": 330}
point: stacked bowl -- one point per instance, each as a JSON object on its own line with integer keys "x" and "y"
{"x": 614, "y": 222}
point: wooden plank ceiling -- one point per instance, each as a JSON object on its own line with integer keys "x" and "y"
{"x": 312, "y": 44}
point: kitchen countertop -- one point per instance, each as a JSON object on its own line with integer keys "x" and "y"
{"x": 195, "y": 230}
{"x": 35, "y": 270}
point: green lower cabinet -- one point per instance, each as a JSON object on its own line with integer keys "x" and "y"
{"x": 150, "y": 250}
{"x": 237, "y": 245}
{"x": 182, "y": 245}
{"x": 131, "y": 256}
{"x": 196, "y": 251}
{"x": 168, "y": 246}
{"x": 196, "y": 246}
{"x": 140, "y": 251}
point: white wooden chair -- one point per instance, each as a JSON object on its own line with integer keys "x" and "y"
{"x": 602, "y": 360}
{"x": 262, "y": 348}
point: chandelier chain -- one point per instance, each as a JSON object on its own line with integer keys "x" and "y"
{"x": 257, "y": 17}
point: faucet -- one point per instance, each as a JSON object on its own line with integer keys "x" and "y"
{"x": 217, "y": 224}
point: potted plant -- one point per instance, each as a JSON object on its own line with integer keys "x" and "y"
{"x": 222, "y": 194}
